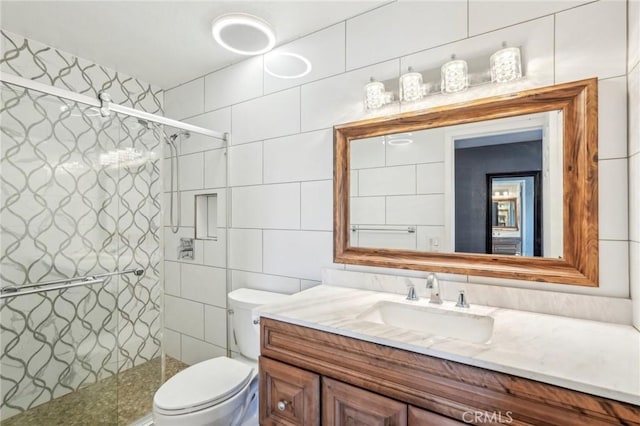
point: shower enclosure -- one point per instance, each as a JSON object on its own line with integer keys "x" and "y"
{"x": 81, "y": 261}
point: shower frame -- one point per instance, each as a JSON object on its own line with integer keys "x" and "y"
{"x": 106, "y": 106}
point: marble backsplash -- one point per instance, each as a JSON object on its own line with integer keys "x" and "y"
{"x": 595, "y": 308}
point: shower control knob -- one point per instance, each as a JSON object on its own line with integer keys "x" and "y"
{"x": 282, "y": 405}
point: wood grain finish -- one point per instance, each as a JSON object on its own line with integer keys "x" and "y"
{"x": 579, "y": 264}
{"x": 418, "y": 417}
{"x": 288, "y": 395}
{"x": 345, "y": 405}
{"x": 447, "y": 388}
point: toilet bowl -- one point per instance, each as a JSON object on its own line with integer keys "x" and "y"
{"x": 220, "y": 391}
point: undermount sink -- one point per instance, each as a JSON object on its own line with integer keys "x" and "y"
{"x": 432, "y": 321}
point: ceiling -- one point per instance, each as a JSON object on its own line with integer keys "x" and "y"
{"x": 162, "y": 42}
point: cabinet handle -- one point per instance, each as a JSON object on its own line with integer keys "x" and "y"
{"x": 282, "y": 405}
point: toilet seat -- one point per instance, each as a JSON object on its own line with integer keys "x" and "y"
{"x": 202, "y": 385}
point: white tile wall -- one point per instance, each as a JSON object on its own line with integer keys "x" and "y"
{"x": 204, "y": 284}
{"x": 367, "y": 153}
{"x": 233, "y": 84}
{"x": 487, "y": 16}
{"x": 401, "y": 28}
{"x": 191, "y": 172}
{"x": 306, "y": 156}
{"x": 275, "y": 283}
{"x": 266, "y": 206}
{"x": 634, "y": 153}
{"x": 634, "y": 33}
{"x": 612, "y": 199}
{"x": 290, "y": 122}
{"x": 215, "y": 168}
{"x": 172, "y": 278}
{"x": 185, "y": 100}
{"x": 300, "y": 254}
{"x": 245, "y": 249}
{"x": 337, "y": 100}
{"x": 195, "y": 350}
{"x": 215, "y": 252}
{"x": 267, "y": 117}
{"x": 219, "y": 121}
{"x": 171, "y": 341}
{"x": 184, "y": 316}
{"x": 387, "y": 181}
{"x": 430, "y": 178}
{"x": 245, "y": 164}
{"x": 215, "y": 325}
{"x": 591, "y": 41}
{"x": 316, "y": 208}
{"x": 612, "y": 118}
{"x": 323, "y": 49}
{"x": 416, "y": 210}
{"x": 635, "y": 282}
{"x": 367, "y": 210}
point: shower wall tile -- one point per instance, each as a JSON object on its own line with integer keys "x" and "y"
{"x": 185, "y": 100}
{"x": 267, "y": 117}
{"x": 245, "y": 164}
{"x": 215, "y": 251}
{"x": 219, "y": 120}
{"x": 215, "y": 168}
{"x": 88, "y": 218}
{"x": 191, "y": 172}
{"x": 172, "y": 278}
{"x": 172, "y": 343}
{"x": 233, "y": 84}
{"x": 323, "y": 49}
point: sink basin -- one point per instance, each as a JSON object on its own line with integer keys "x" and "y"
{"x": 431, "y": 321}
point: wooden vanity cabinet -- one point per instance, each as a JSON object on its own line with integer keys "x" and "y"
{"x": 312, "y": 377}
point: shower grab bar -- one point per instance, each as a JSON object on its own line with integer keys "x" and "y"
{"x": 409, "y": 229}
{"x": 10, "y": 291}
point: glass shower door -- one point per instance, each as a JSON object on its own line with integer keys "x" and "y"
{"x": 79, "y": 197}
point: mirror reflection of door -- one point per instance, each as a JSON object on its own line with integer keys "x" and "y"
{"x": 514, "y": 225}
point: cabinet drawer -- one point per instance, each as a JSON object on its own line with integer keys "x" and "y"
{"x": 288, "y": 395}
{"x": 346, "y": 405}
{"x": 419, "y": 417}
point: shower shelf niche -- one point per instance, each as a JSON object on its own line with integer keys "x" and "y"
{"x": 206, "y": 220}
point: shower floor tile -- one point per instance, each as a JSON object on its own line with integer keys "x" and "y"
{"x": 119, "y": 400}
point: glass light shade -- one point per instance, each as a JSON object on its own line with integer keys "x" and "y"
{"x": 505, "y": 65}
{"x": 375, "y": 96}
{"x": 455, "y": 76}
{"x": 411, "y": 87}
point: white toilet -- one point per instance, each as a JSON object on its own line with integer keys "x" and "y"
{"x": 220, "y": 391}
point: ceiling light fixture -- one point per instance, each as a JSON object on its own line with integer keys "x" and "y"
{"x": 243, "y": 34}
{"x": 399, "y": 139}
{"x": 295, "y": 56}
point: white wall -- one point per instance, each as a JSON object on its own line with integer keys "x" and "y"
{"x": 634, "y": 155}
{"x": 281, "y": 153}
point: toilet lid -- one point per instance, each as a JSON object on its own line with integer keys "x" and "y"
{"x": 202, "y": 385}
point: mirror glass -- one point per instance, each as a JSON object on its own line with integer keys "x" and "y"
{"x": 492, "y": 187}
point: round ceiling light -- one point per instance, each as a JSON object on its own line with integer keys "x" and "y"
{"x": 243, "y": 34}
{"x": 286, "y": 65}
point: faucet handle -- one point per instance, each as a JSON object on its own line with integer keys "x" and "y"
{"x": 462, "y": 300}
{"x": 412, "y": 293}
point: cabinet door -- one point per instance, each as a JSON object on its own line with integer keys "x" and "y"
{"x": 346, "y": 405}
{"x": 288, "y": 395}
{"x": 420, "y": 417}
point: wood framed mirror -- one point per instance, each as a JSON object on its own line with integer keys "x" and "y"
{"x": 410, "y": 190}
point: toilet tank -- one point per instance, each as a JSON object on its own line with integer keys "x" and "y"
{"x": 247, "y": 334}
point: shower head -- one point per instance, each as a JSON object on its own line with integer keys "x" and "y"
{"x": 183, "y": 133}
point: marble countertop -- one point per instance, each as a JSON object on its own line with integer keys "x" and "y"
{"x": 589, "y": 356}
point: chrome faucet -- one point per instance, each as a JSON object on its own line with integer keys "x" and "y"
{"x": 412, "y": 292}
{"x": 432, "y": 283}
{"x": 462, "y": 300}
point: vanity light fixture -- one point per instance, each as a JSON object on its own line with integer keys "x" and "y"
{"x": 454, "y": 75}
{"x": 505, "y": 64}
{"x": 243, "y": 34}
{"x": 375, "y": 96}
{"x": 411, "y": 86}
{"x": 287, "y": 55}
